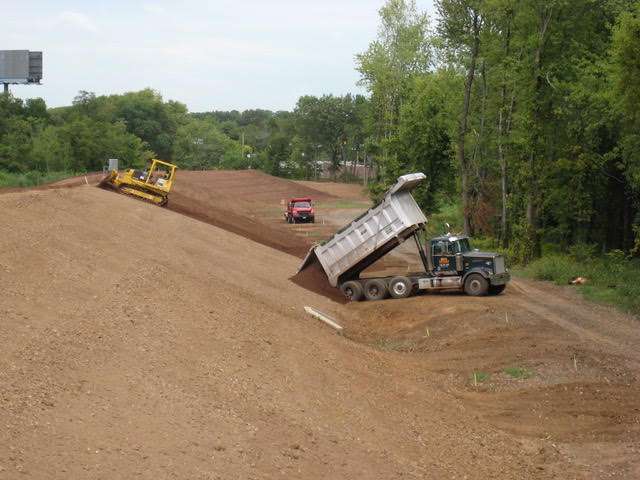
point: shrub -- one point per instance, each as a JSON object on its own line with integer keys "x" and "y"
{"x": 612, "y": 279}
{"x": 582, "y": 251}
{"x": 518, "y": 372}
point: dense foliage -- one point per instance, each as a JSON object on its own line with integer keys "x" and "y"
{"x": 537, "y": 104}
{"x": 36, "y": 142}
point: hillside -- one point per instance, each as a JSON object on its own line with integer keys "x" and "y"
{"x": 138, "y": 341}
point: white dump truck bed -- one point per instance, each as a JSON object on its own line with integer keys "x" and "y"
{"x": 372, "y": 235}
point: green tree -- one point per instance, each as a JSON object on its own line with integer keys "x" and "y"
{"x": 460, "y": 27}
{"x": 200, "y": 145}
{"x": 326, "y": 123}
{"x": 423, "y": 142}
{"x": 625, "y": 51}
{"x": 401, "y": 52}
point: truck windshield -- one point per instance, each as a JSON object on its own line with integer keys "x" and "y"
{"x": 302, "y": 205}
{"x": 461, "y": 246}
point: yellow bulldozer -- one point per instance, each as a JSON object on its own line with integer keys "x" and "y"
{"x": 152, "y": 184}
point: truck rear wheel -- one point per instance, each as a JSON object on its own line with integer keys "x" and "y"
{"x": 476, "y": 285}
{"x": 375, "y": 289}
{"x": 352, "y": 290}
{"x": 400, "y": 287}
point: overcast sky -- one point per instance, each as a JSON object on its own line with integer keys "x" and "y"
{"x": 211, "y": 55}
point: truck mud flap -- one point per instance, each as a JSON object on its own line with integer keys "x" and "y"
{"x": 309, "y": 259}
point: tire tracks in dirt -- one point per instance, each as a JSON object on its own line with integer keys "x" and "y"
{"x": 588, "y": 322}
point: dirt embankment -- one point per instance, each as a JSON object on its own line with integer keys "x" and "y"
{"x": 551, "y": 366}
{"x": 171, "y": 348}
{"x": 245, "y": 203}
{"x": 251, "y": 204}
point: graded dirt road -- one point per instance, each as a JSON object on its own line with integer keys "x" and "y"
{"x": 137, "y": 342}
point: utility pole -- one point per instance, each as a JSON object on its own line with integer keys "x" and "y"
{"x": 242, "y": 151}
{"x": 364, "y": 165}
{"x": 315, "y": 167}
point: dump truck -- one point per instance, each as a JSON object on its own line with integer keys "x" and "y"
{"x": 299, "y": 209}
{"x": 152, "y": 185}
{"x": 449, "y": 262}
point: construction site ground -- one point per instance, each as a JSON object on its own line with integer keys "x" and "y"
{"x": 147, "y": 342}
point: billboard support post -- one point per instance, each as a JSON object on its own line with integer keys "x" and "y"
{"x": 20, "y": 67}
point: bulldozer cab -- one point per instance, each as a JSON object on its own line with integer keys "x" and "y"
{"x": 159, "y": 175}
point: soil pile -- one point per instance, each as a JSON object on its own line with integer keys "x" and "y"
{"x": 315, "y": 280}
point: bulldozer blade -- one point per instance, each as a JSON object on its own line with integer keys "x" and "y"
{"x": 107, "y": 181}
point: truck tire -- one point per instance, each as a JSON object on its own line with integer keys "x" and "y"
{"x": 352, "y": 290}
{"x": 375, "y": 289}
{"x": 400, "y": 287}
{"x": 496, "y": 289}
{"x": 476, "y": 285}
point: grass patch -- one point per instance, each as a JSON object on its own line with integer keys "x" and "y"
{"x": 518, "y": 372}
{"x": 480, "y": 377}
{"x": 30, "y": 179}
{"x": 611, "y": 279}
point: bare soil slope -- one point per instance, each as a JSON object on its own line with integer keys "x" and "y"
{"x": 249, "y": 203}
{"x": 139, "y": 342}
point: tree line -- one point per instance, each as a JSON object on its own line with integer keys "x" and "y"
{"x": 532, "y": 106}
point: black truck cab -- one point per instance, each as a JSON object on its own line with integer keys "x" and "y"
{"x": 479, "y": 272}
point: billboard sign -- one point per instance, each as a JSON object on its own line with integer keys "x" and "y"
{"x": 20, "y": 66}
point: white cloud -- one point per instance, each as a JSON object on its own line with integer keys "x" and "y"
{"x": 76, "y": 20}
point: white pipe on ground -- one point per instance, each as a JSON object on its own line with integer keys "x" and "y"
{"x": 323, "y": 318}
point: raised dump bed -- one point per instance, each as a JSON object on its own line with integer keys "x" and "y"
{"x": 372, "y": 235}
{"x": 449, "y": 262}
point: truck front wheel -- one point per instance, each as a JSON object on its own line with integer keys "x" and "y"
{"x": 352, "y": 290}
{"x": 476, "y": 285}
{"x": 400, "y": 287}
{"x": 375, "y": 289}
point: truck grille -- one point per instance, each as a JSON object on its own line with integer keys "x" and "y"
{"x": 498, "y": 264}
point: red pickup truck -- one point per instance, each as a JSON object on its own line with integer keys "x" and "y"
{"x": 299, "y": 210}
